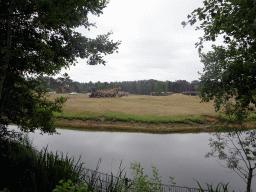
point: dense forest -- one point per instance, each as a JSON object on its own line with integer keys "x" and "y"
{"x": 141, "y": 87}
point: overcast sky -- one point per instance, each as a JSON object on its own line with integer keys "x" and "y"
{"x": 154, "y": 43}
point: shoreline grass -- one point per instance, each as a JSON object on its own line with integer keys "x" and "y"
{"x": 132, "y": 123}
{"x": 112, "y": 122}
{"x": 137, "y": 118}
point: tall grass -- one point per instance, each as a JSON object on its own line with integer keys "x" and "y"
{"x": 221, "y": 187}
{"x": 30, "y": 170}
{"x": 52, "y": 168}
{"x": 110, "y": 183}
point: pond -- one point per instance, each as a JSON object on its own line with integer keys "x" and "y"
{"x": 177, "y": 155}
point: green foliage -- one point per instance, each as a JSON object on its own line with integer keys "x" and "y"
{"x": 159, "y": 88}
{"x": 234, "y": 143}
{"x": 5, "y": 190}
{"x": 56, "y": 167}
{"x": 230, "y": 72}
{"x": 35, "y": 171}
{"x": 142, "y": 87}
{"x": 141, "y": 181}
{"x": 69, "y": 186}
{"x": 38, "y": 38}
{"x": 219, "y": 188}
{"x": 229, "y": 69}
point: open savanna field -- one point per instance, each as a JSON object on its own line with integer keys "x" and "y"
{"x": 159, "y": 106}
{"x": 136, "y": 111}
{"x": 80, "y": 111}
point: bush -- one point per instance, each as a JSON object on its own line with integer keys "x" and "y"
{"x": 140, "y": 182}
{"x": 69, "y": 186}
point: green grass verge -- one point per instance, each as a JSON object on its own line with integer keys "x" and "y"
{"x": 250, "y": 117}
{"x": 137, "y": 118}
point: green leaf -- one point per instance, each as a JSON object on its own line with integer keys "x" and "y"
{"x": 44, "y": 41}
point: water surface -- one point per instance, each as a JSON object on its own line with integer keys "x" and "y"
{"x": 177, "y": 155}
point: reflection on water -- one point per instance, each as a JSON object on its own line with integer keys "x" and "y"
{"x": 177, "y": 155}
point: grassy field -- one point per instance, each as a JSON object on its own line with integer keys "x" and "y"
{"x": 158, "y": 106}
{"x": 161, "y": 114}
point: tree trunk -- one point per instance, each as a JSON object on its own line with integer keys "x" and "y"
{"x": 249, "y": 180}
{"x": 7, "y": 56}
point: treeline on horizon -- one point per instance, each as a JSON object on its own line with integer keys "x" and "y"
{"x": 140, "y": 87}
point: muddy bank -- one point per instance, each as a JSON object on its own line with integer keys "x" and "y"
{"x": 114, "y": 125}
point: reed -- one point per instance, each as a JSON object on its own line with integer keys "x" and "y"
{"x": 31, "y": 170}
{"x": 221, "y": 187}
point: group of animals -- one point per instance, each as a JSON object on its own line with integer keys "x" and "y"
{"x": 113, "y": 92}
